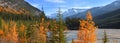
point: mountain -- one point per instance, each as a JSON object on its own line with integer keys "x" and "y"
{"x": 20, "y": 4}
{"x": 68, "y": 13}
{"x": 81, "y": 13}
{"x": 109, "y": 20}
{"x": 72, "y": 11}
{"x": 99, "y": 10}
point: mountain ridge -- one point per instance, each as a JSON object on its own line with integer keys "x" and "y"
{"x": 95, "y": 10}
{"x": 20, "y": 4}
{"x": 109, "y": 20}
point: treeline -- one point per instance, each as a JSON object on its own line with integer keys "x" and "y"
{"x": 72, "y": 23}
{"x": 8, "y": 13}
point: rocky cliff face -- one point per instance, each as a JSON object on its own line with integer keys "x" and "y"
{"x": 20, "y": 4}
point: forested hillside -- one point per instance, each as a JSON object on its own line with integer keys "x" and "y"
{"x": 109, "y": 20}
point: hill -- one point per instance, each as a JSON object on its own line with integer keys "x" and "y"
{"x": 20, "y": 4}
{"x": 109, "y": 20}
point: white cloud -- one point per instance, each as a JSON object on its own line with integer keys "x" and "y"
{"x": 35, "y": 5}
{"x": 87, "y": 7}
{"x": 56, "y": 1}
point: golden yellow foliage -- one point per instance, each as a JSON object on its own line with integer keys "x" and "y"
{"x": 22, "y": 34}
{"x": 9, "y": 32}
{"x": 22, "y": 28}
{"x": 1, "y": 33}
{"x": 13, "y": 32}
{"x": 88, "y": 16}
{"x": 42, "y": 31}
{"x": 86, "y": 33}
{"x": 39, "y": 35}
{"x": 13, "y": 11}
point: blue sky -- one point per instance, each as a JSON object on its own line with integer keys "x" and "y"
{"x": 51, "y": 6}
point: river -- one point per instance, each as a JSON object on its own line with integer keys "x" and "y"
{"x": 113, "y": 35}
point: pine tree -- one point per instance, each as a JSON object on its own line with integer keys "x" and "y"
{"x": 61, "y": 28}
{"x": 54, "y": 38}
{"x": 105, "y": 38}
{"x": 42, "y": 15}
{"x": 72, "y": 40}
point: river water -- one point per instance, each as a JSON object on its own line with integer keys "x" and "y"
{"x": 113, "y": 35}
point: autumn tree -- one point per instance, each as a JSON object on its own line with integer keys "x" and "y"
{"x": 1, "y": 35}
{"x": 87, "y": 28}
{"x": 13, "y": 35}
{"x": 42, "y": 30}
{"x": 22, "y": 34}
{"x": 39, "y": 34}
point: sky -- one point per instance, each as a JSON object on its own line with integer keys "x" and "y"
{"x": 51, "y": 6}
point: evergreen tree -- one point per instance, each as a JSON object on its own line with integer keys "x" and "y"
{"x": 72, "y": 40}
{"x": 54, "y": 38}
{"x": 42, "y": 15}
{"x": 61, "y": 28}
{"x": 105, "y": 39}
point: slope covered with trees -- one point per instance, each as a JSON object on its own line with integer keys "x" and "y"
{"x": 20, "y": 4}
{"x": 109, "y": 20}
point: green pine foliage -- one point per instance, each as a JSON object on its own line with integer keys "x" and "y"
{"x": 62, "y": 38}
{"x": 72, "y": 41}
{"x": 105, "y": 38}
{"x": 54, "y": 38}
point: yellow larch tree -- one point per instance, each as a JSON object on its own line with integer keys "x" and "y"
{"x": 1, "y": 35}
{"x": 42, "y": 30}
{"x": 87, "y": 28}
{"x": 22, "y": 34}
{"x": 39, "y": 35}
{"x": 13, "y": 32}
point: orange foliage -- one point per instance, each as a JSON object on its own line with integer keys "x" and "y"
{"x": 9, "y": 32}
{"x": 86, "y": 33}
{"x": 23, "y": 34}
{"x": 88, "y": 16}
{"x": 13, "y": 11}
{"x": 42, "y": 31}
{"x": 13, "y": 32}
{"x": 22, "y": 28}
{"x": 1, "y": 33}
{"x": 39, "y": 35}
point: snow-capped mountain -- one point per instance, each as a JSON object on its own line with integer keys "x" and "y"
{"x": 81, "y": 13}
{"x": 72, "y": 11}
{"x": 67, "y": 13}
{"x": 100, "y": 10}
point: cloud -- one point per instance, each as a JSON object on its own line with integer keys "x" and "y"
{"x": 87, "y": 7}
{"x": 35, "y": 5}
{"x": 56, "y": 1}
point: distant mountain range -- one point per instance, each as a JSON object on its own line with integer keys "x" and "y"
{"x": 81, "y": 13}
{"x": 68, "y": 13}
{"x": 20, "y": 4}
{"x": 100, "y": 10}
{"x": 105, "y": 17}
